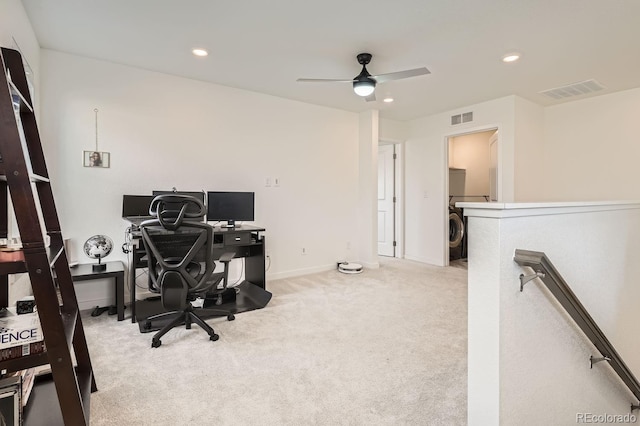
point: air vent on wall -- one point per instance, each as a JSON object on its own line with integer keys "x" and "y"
{"x": 465, "y": 117}
{"x": 573, "y": 89}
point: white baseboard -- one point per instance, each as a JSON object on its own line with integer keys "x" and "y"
{"x": 300, "y": 272}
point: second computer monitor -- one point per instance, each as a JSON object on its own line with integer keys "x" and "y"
{"x": 230, "y": 206}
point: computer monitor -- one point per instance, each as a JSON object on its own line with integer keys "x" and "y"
{"x": 191, "y": 208}
{"x": 136, "y": 205}
{"x": 230, "y": 206}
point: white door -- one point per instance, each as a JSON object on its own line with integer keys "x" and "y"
{"x": 493, "y": 167}
{"x": 386, "y": 185}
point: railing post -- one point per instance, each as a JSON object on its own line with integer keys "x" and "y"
{"x": 593, "y": 360}
{"x": 526, "y": 278}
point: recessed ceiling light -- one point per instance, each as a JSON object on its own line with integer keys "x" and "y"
{"x": 388, "y": 100}
{"x": 511, "y": 57}
{"x": 199, "y": 52}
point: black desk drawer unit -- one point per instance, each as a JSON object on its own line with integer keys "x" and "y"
{"x": 237, "y": 239}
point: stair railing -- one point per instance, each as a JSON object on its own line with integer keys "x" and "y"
{"x": 547, "y": 273}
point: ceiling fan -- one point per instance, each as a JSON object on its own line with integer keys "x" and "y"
{"x": 364, "y": 83}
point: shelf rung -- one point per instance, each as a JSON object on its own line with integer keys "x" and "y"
{"x": 25, "y": 362}
{"x": 55, "y": 253}
{"x": 37, "y": 178}
{"x": 23, "y": 101}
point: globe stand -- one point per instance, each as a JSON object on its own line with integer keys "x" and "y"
{"x": 99, "y": 267}
{"x": 97, "y": 247}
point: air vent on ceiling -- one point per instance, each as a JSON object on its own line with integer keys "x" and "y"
{"x": 465, "y": 117}
{"x": 574, "y": 89}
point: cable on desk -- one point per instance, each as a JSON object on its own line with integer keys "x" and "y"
{"x": 126, "y": 247}
{"x": 241, "y": 273}
{"x": 144, "y": 272}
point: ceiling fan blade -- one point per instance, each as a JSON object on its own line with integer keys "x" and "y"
{"x": 323, "y": 80}
{"x": 370, "y": 98}
{"x": 400, "y": 74}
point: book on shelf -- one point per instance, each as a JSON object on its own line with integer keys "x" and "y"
{"x": 22, "y": 350}
{"x": 19, "y": 330}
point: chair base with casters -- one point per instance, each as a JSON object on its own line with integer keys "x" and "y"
{"x": 175, "y": 290}
{"x": 186, "y": 316}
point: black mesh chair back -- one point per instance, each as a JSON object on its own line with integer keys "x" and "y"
{"x": 180, "y": 259}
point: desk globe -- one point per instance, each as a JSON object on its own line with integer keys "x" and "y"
{"x": 97, "y": 247}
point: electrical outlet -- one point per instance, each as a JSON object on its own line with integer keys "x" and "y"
{"x": 304, "y": 251}
{"x": 276, "y": 182}
{"x": 348, "y": 245}
{"x": 267, "y": 182}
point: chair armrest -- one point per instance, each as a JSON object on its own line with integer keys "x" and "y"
{"x": 227, "y": 257}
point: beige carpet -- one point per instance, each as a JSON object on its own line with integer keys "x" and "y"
{"x": 385, "y": 347}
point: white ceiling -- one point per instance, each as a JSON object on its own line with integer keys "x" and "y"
{"x": 264, "y": 46}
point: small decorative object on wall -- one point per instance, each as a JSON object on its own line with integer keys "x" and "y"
{"x": 97, "y": 247}
{"x": 96, "y": 158}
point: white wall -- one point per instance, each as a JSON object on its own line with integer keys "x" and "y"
{"x": 528, "y": 361}
{"x": 529, "y": 163}
{"x": 163, "y": 131}
{"x": 16, "y": 31}
{"x": 592, "y": 147}
{"x": 392, "y": 131}
{"x": 585, "y": 149}
{"x": 368, "y": 188}
{"x": 426, "y": 171}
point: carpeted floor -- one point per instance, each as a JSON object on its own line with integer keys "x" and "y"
{"x": 385, "y": 347}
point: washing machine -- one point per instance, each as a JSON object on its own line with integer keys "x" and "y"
{"x": 457, "y": 234}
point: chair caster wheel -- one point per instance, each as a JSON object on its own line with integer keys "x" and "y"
{"x": 147, "y": 325}
{"x": 155, "y": 343}
{"x": 214, "y": 337}
{"x": 231, "y": 317}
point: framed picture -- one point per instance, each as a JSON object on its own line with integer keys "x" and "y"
{"x": 11, "y": 401}
{"x": 96, "y": 159}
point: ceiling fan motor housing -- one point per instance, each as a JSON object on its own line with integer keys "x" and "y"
{"x": 363, "y": 84}
{"x": 364, "y": 58}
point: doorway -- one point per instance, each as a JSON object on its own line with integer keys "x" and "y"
{"x": 472, "y": 176}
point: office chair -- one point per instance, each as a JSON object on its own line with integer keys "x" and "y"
{"x": 180, "y": 261}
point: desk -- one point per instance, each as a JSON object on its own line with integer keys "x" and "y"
{"x": 245, "y": 242}
{"x": 114, "y": 270}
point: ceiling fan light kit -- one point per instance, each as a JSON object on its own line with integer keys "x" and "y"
{"x": 364, "y": 83}
{"x": 364, "y": 87}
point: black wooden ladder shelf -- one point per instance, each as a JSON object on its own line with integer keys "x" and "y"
{"x": 25, "y": 178}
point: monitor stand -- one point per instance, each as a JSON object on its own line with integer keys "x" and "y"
{"x": 230, "y": 224}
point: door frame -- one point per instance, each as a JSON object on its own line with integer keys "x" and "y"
{"x": 398, "y": 182}
{"x": 463, "y": 132}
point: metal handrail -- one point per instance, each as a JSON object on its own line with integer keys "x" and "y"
{"x": 547, "y": 273}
